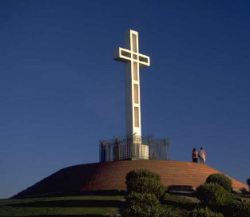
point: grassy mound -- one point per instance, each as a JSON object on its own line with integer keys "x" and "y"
{"x": 72, "y": 206}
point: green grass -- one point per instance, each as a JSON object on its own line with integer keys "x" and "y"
{"x": 85, "y": 206}
{"x": 75, "y": 206}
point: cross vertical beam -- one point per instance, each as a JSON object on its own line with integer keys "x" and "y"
{"x": 134, "y": 61}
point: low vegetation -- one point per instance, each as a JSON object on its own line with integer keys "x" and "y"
{"x": 221, "y": 180}
{"x": 144, "y": 181}
{"x": 148, "y": 198}
{"x": 204, "y": 212}
{"x": 142, "y": 204}
{"x": 213, "y": 195}
{"x": 70, "y": 206}
{"x": 216, "y": 194}
{"x": 145, "y": 197}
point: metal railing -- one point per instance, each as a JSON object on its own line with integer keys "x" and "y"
{"x": 133, "y": 148}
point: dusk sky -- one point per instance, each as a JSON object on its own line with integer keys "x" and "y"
{"x": 61, "y": 90}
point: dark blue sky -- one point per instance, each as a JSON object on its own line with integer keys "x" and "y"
{"x": 61, "y": 91}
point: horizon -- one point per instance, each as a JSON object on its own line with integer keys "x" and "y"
{"x": 62, "y": 91}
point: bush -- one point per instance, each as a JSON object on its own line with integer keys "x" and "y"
{"x": 237, "y": 209}
{"x": 142, "y": 205}
{"x": 135, "y": 174}
{"x": 213, "y": 195}
{"x": 221, "y": 180}
{"x": 204, "y": 212}
{"x": 143, "y": 181}
{"x": 169, "y": 212}
{"x": 147, "y": 185}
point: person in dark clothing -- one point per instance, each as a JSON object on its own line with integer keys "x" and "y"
{"x": 195, "y": 155}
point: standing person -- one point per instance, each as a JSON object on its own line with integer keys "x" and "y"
{"x": 202, "y": 155}
{"x": 195, "y": 155}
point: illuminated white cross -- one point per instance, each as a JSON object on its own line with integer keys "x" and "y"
{"x": 133, "y": 102}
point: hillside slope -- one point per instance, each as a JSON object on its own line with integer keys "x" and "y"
{"x": 111, "y": 176}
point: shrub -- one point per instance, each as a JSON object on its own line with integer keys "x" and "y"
{"x": 135, "y": 174}
{"x": 143, "y": 181}
{"x": 147, "y": 185}
{"x": 237, "y": 209}
{"x": 213, "y": 195}
{"x": 142, "y": 205}
{"x": 169, "y": 212}
{"x": 221, "y": 180}
{"x": 204, "y": 212}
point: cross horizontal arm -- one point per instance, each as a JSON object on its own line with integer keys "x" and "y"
{"x": 126, "y": 55}
{"x": 123, "y": 54}
{"x": 144, "y": 60}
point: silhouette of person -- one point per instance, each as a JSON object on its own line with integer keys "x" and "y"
{"x": 195, "y": 155}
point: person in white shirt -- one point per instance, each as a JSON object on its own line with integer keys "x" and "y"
{"x": 202, "y": 155}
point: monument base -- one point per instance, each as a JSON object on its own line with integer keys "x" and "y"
{"x": 111, "y": 176}
{"x": 136, "y": 148}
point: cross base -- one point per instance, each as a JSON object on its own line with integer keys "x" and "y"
{"x": 123, "y": 149}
